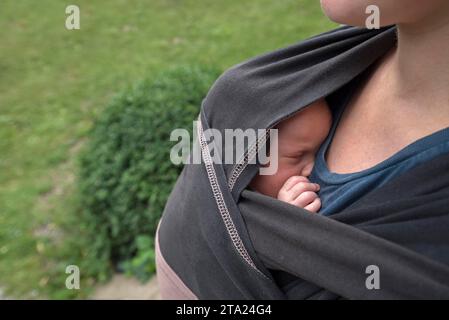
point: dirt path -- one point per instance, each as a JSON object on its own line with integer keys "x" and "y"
{"x": 121, "y": 287}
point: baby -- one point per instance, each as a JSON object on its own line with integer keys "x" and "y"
{"x": 299, "y": 138}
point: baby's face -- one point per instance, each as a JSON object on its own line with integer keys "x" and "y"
{"x": 300, "y": 137}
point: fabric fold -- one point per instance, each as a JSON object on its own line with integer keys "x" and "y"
{"x": 225, "y": 242}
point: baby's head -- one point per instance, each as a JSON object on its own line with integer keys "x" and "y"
{"x": 299, "y": 138}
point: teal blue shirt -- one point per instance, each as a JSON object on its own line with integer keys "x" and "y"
{"x": 338, "y": 191}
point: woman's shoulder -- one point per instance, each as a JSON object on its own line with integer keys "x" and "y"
{"x": 237, "y": 75}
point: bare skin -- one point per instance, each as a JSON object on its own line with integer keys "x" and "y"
{"x": 406, "y": 97}
{"x": 299, "y": 139}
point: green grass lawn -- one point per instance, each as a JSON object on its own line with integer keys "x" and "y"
{"x": 53, "y": 82}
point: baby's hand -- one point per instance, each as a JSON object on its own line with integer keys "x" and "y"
{"x": 299, "y": 191}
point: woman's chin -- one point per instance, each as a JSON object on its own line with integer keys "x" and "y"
{"x": 345, "y": 11}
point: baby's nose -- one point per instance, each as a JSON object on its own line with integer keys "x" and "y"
{"x": 307, "y": 170}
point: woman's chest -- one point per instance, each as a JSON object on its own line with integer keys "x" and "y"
{"x": 369, "y": 133}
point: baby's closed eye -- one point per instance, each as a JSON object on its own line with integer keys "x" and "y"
{"x": 292, "y": 156}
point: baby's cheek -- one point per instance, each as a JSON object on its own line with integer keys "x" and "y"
{"x": 267, "y": 184}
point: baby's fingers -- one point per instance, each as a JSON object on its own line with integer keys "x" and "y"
{"x": 314, "y": 206}
{"x": 292, "y": 181}
{"x": 305, "y": 199}
{"x": 300, "y": 188}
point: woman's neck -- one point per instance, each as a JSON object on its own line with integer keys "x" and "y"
{"x": 419, "y": 68}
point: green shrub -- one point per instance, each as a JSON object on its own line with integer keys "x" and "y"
{"x": 125, "y": 170}
{"x": 142, "y": 265}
